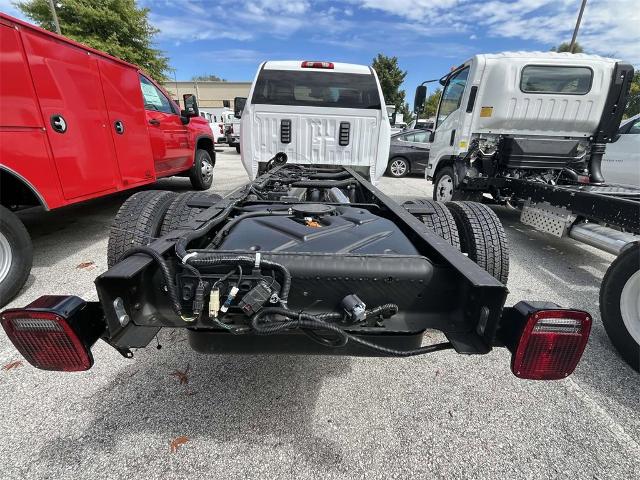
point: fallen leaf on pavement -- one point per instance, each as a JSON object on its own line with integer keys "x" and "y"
{"x": 178, "y": 442}
{"x": 12, "y": 365}
{"x": 86, "y": 265}
{"x": 183, "y": 377}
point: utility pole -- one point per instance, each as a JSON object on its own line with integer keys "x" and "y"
{"x": 575, "y": 30}
{"x": 55, "y": 17}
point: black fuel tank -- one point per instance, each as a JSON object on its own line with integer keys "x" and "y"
{"x": 345, "y": 230}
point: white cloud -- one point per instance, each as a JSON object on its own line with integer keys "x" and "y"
{"x": 609, "y": 27}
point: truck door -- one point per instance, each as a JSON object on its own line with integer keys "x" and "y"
{"x": 621, "y": 161}
{"x": 169, "y": 137}
{"x": 67, "y": 83}
{"x": 449, "y": 119}
{"x": 127, "y": 122}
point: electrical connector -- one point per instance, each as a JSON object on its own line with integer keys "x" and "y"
{"x": 354, "y": 308}
{"x": 255, "y": 298}
{"x": 227, "y": 303}
{"x": 214, "y": 303}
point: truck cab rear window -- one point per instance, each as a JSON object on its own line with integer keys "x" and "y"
{"x": 316, "y": 89}
{"x": 556, "y": 79}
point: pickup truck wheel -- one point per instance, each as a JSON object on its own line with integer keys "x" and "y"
{"x": 137, "y": 222}
{"x": 16, "y": 255}
{"x": 201, "y": 173}
{"x": 237, "y": 148}
{"x": 444, "y": 190}
{"x": 181, "y": 213}
{"x": 441, "y": 221}
{"x": 398, "y": 167}
{"x": 482, "y": 237}
{"x": 620, "y": 304}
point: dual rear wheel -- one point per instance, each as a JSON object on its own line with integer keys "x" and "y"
{"x": 471, "y": 227}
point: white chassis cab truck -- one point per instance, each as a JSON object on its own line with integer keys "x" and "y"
{"x": 530, "y": 129}
{"x": 317, "y": 113}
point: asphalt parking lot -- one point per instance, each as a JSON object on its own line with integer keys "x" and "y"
{"x": 439, "y": 415}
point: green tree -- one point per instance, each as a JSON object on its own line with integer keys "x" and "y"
{"x": 207, "y": 78}
{"x": 633, "y": 105}
{"x": 566, "y": 47}
{"x": 391, "y": 77}
{"x": 118, "y": 27}
{"x": 431, "y": 104}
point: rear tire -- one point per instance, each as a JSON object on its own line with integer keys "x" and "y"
{"x": 482, "y": 237}
{"x": 441, "y": 221}
{"x": 180, "y": 212}
{"x": 137, "y": 222}
{"x": 16, "y": 255}
{"x": 398, "y": 167}
{"x": 445, "y": 191}
{"x": 237, "y": 148}
{"x": 201, "y": 174}
{"x": 620, "y": 304}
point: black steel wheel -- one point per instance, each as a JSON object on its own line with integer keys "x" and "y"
{"x": 482, "y": 237}
{"x": 137, "y": 222}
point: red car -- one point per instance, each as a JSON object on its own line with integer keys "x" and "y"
{"x": 77, "y": 124}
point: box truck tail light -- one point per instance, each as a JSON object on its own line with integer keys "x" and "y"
{"x": 47, "y": 339}
{"x": 325, "y": 65}
{"x": 551, "y": 344}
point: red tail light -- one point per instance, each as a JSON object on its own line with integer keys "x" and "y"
{"x": 43, "y": 333}
{"x": 551, "y": 344}
{"x": 309, "y": 64}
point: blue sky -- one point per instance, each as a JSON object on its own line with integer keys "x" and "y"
{"x": 230, "y": 38}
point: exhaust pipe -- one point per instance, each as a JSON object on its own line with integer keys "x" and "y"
{"x": 595, "y": 173}
{"x": 604, "y": 238}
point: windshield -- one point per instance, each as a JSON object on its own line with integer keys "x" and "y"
{"x": 316, "y": 89}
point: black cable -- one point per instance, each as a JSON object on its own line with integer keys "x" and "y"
{"x": 318, "y": 322}
{"x": 164, "y": 269}
{"x": 232, "y": 223}
{"x": 217, "y": 259}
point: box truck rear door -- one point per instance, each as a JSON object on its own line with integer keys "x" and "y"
{"x": 68, "y": 87}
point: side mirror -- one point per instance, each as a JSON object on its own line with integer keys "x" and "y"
{"x": 238, "y": 106}
{"x": 190, "y": 105}
{"x": 185, "y": 118}
{"x": 432, "y": 136}
{"x": 418, "y": 100}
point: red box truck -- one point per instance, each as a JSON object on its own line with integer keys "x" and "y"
{"x": 77, "y": 124}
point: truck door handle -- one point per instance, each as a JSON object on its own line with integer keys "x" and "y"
{"x": 153, "y": 121}
{"x": 58, "y": 123}
{"x": 453, "y": 137}
{"x": 118, "y": 126}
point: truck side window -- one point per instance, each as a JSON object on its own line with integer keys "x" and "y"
{"x": 154, "y": 99}
{"x": 568, "y": 80}
{"x": 632, "y": 129}
{"x": 452, "y": 94}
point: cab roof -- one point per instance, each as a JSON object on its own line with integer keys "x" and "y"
{"x": 297, "y": 65}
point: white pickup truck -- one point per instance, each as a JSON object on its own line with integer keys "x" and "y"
{"x": 317, "y": 113}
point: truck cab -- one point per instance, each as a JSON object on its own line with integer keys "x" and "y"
{"x": 317, "y": 113}
{"x": 78, "y": 124}
{"x": 545, "y": 106}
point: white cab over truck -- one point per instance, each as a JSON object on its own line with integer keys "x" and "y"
{"x": 530, "y": 129}
{"x": 318, "y": 113}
